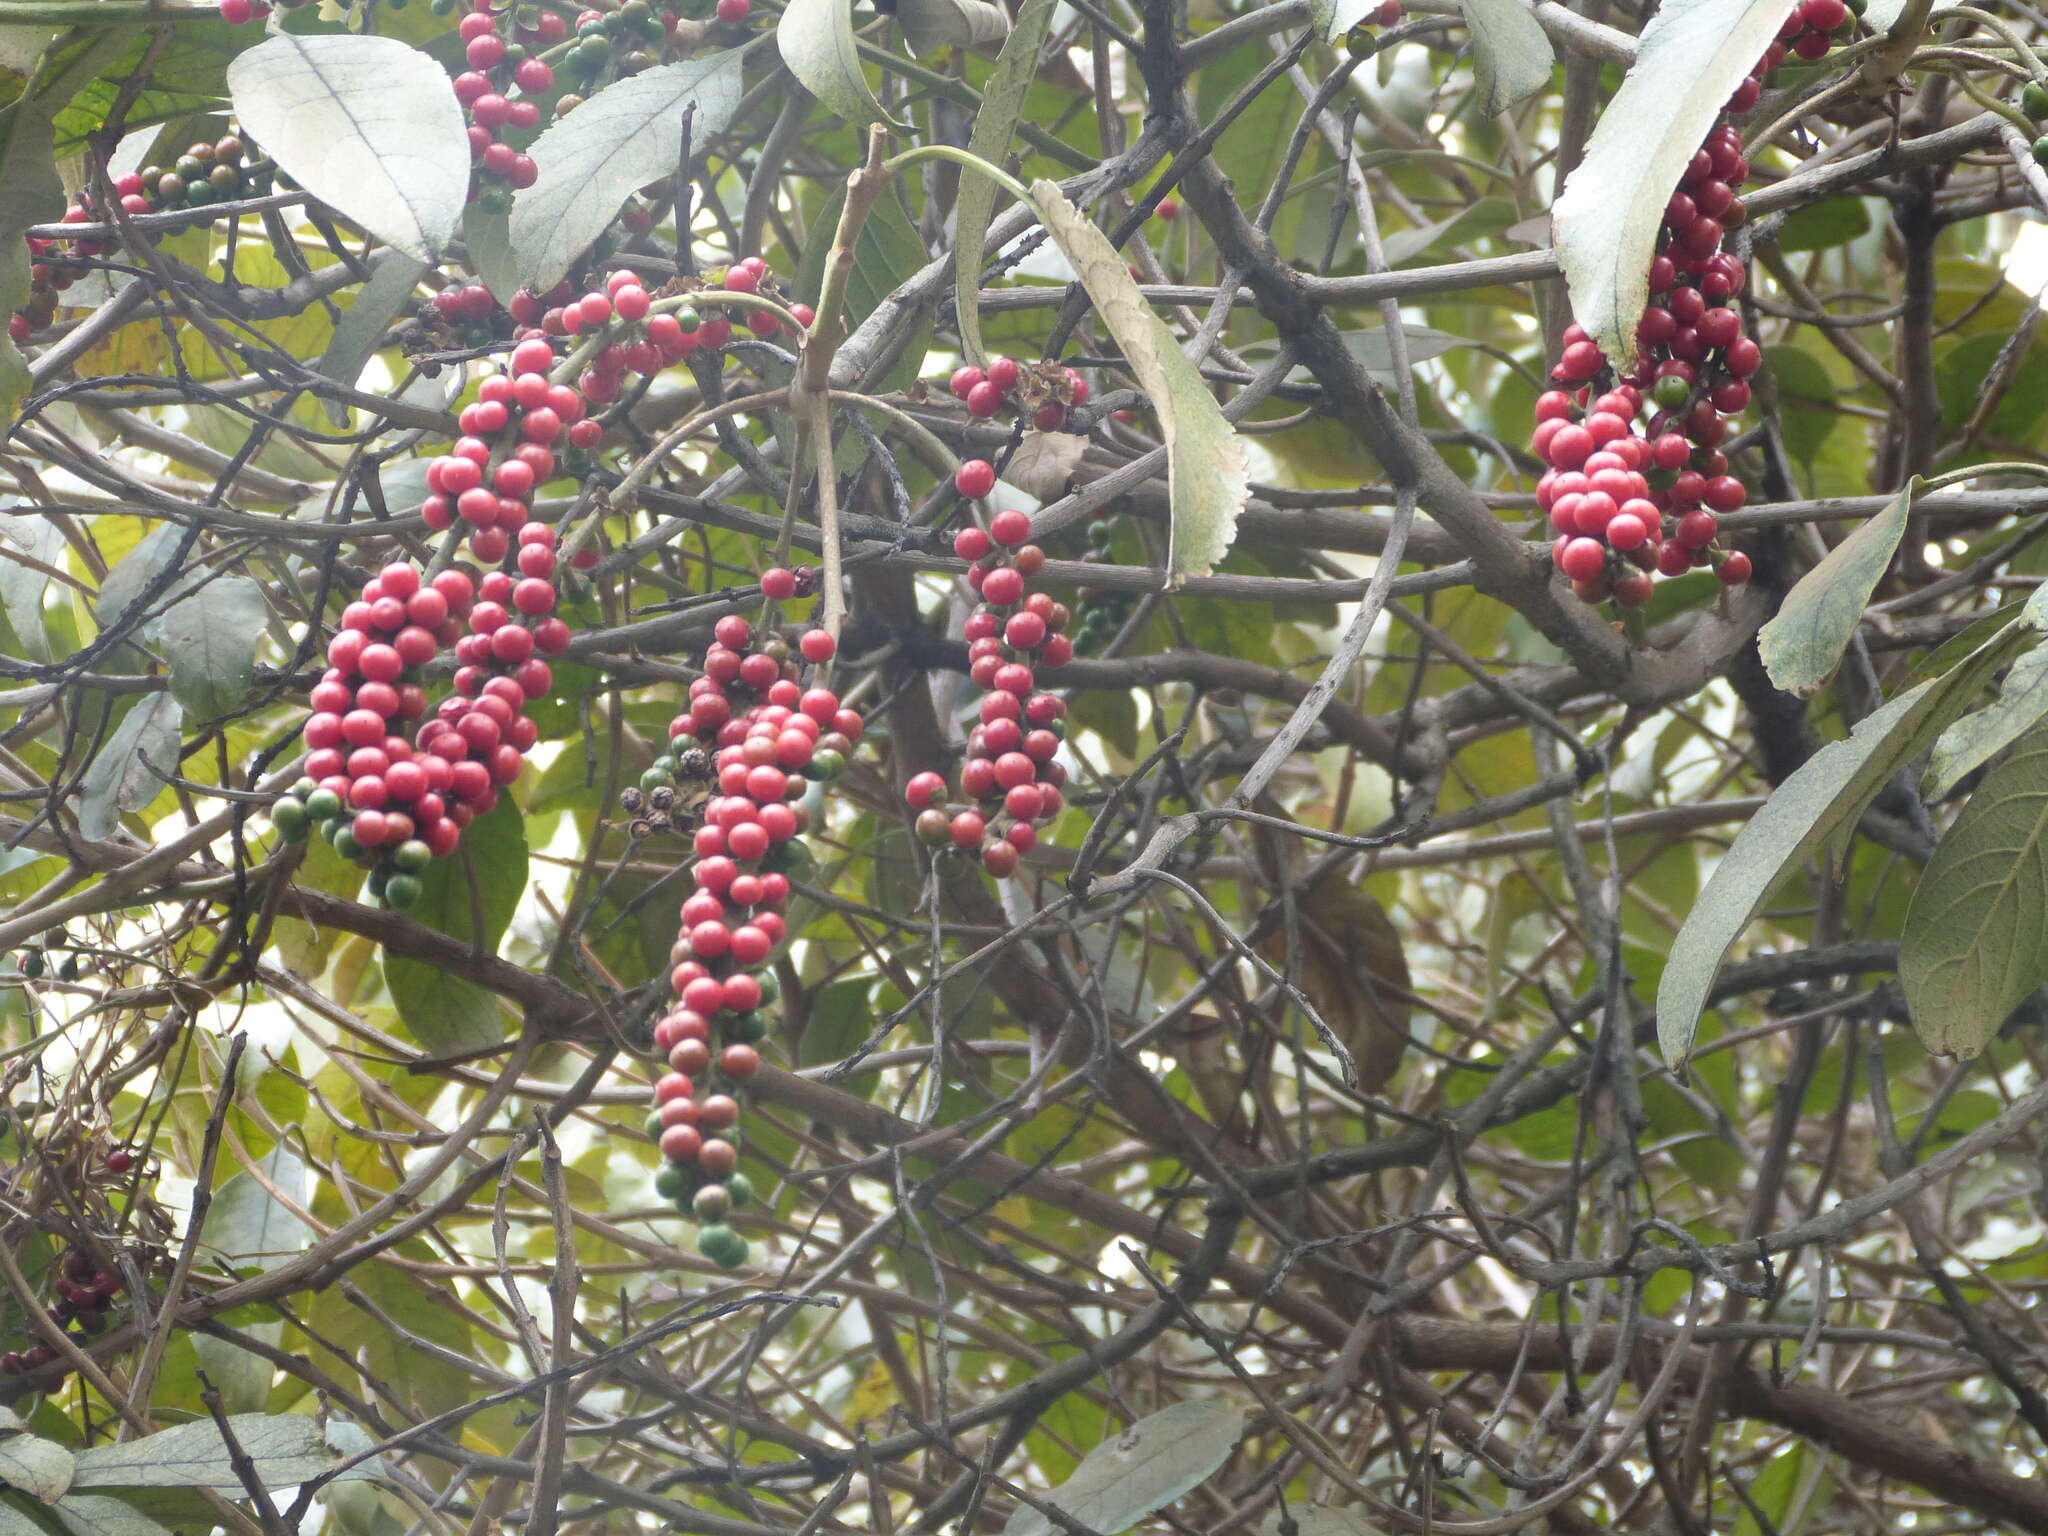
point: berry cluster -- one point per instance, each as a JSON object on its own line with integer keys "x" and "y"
{"x": 500, "y": 44}
{"x": 762, "y": 738}
{"x": 1011, "y": 776}
{"x": 85, "y": 1294}
{"x": 1626, "y": 501}
{"x": 1101, "y": 613}
{"x": 508, "y": 448}
{"x": 204, "y": 174}
{"x": 1043, "y": 392}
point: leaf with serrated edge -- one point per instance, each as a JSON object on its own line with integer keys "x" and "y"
{"x": 1803, "y": 643}
{"x": 285, "y": 1449}
{"x": 1002, "y": 102}
{"x": 627, "y": 135}
{"x": 360, "y": 331}
{"x": 816, "y": 41}
{"x": 1144, "y": 1468}
{"x": 129, "y": 771}
{"x": 368, "y": 125}
{"x": 1511, "y": 55}
{"x": 1975, "y": 944}
{"x": 929, "y": 24}
{"x": 1205, "y": 465}
{"x": 37, "y": 1467}
{"x": 1823, "y": 798}
{"x": 210, "y": 641}
{"x": 1690, "y": 58}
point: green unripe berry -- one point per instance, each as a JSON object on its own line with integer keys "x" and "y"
{"x": 1671, "y": 392}
{"x": 323, "y": 805}
{"x": 740, "y": 1188}
{"x": 671, "y": 1183}
{"x": 722, "y": 1246}
{"x": 653, "y": 779}
{"x": 749, "y": 1028}
{"x": 653, "y": 1127}
{"x": 70, "y": 969}
{"x": 412, "y": 856}
{"x": 289, "y": 816}
{"x": 191, "y": 167}
{"x": 688, "y": 318}
{"x": 402, "y": 891}
{"x": 825, "y": 766}
{"x": 344, "y": 842}
{"x": 2041, "y": 151}
{"x": 1360, "y": 43}
{"x": 33, "y": 963}
{"x": 2034, "y": 100}
{"x": 303, "y": 787}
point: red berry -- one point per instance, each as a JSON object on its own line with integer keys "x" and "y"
{"x": 974, "y": 479}
{"x": 817, "y": 645}
{"x": 1583, "y": 559}
{"x": 778, "y": 583}
{"x": 1010, "y": 528}
{"x": 984, "y": 400}
{"x": 1733, "y": 569}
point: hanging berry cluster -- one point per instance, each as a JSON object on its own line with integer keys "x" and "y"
{"x": 1625, "y": 500}
{"x": 1043, "y": 392}
{"x": 85, "y": 1294}
{"x": 204, "y": 174}
{"x": 761, "y": 738}
{"x": 499, "y": 44}
{"x": 1011, "y": 776}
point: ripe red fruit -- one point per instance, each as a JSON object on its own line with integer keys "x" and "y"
{"x": 817, "y": 645}
{"x": 1583, "y": 559}
{"x": 984, "y": 400}
{"x": 778, "y": 583}
{"x": 974, "y": 479}
{"x": 1010, "y": 528}
{"x": 1733, "y": 569}
{"x": 966, "y": 829}
{"x": 1725, "y": 493}
{"x": 964, "y": 379}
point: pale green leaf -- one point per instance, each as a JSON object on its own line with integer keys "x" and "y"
{"x": 929, "y": 24}
{"x": 368, "y": 125}
{"x": 99, "y": 1514}
{"x": 251, "y": 1228}
{"x": 23, "y": 587}
{"x": 285, "y": 1449}
{"x": 1331, "y": 19}
{"x": 131, "y": 766}
{"x": 445, "y": 1013}
{"x": 1205, "y": 463}
{"x": 1511, "y": 56}
{"x": 816, "y": 39}
{"x": 1976, "y": 937}
{"x": 627, "y": 135}
{"x": 1002, "y": 102}
{"x": 1144, "y": 1468}
{"x": 2022, "y": 703}
{"x": 360, "y": 331}
{"x": 210, "y": 641}
{"x": 16, "y": 1521}
{"x": 37, "y": 1467}
{"x": 1690, "y": 58}
{"x": 1803, "y": 643}
{"x": 1810, "y": 809}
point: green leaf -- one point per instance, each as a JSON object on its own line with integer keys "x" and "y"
{"x": 626, "y": 136}
{"x": 1511, "y": 57}
{"x": 131, "y": 766}
{"x": 1818, "y": 802}
{"x": 249, "y": 1226}
{"x": 368, "y": 125}
{"x": 241, "y": 1376}
{"x": 1690, "y": 58}
{"x": 487, "y": 237}
{"x": 445, "y": 1013}
{"x": 1205, "y": 464}
{"x": 929, "y": 24}
{"x": 1333, "y": 18}
{"x": 1147, "y": 1467}
{"x": 1002, "y": 102}
{"x": 210, "y": 641}
{"x": 37, "y": 1467}
{"x": 16, "y": 1521}
{"x": 816, "y": 39}
{"x": 1975, "y": 739}
{"x": 285, "y": 1449}
{"x": 888, "y": 252}
{"x": 359, "y": 333}
{"x": 1803, "y": 643}
{"x": 1976, "y": 937}
{"x": 23, "y": 587}
{"x": 99, "y": 1514}
{"x": 1823, "y": 226}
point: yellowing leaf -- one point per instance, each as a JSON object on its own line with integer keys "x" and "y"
{"x": 1205, "y": 465}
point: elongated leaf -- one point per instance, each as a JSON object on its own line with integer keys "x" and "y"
{"x": 210, "y": 641}
{"x": 1002, "y": 102}
{"x": 30, "y": 190}
{"x": 1205, "y": 464}
{"x": 888, "y": 252}
{"x": 16, "y": 1521}
{"x": 22, "y": 587}
{"x": 929, "y": 24}
{"x": 1818, "y": 802}
{"x": 1511, "y": 56}
{"x": 1333, "y": 18}
{"x": 37, "y": 1467}
{"x": 1803, "y": 643}
{"x": 132, "y": 574}
{"x": 249, "y": 1226}
{"x": 1147, "y": 1467}
{"x": 131, "y": 766}
{"x": 368, "y": 125}
{"x": 360, "y": 331}
{"x": 1976, "y": 937}
{"x": 99, "y": 1514}
{"x": 446, "y": 1013}
{"x": 816, "y": 40}
{"x": 285, "y": 1449}
{"x": 1691, "y": 57}
{"x": 626, "y": 136}
{"x": 487, "y": 237}
{"x": 2022, "y": 703}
